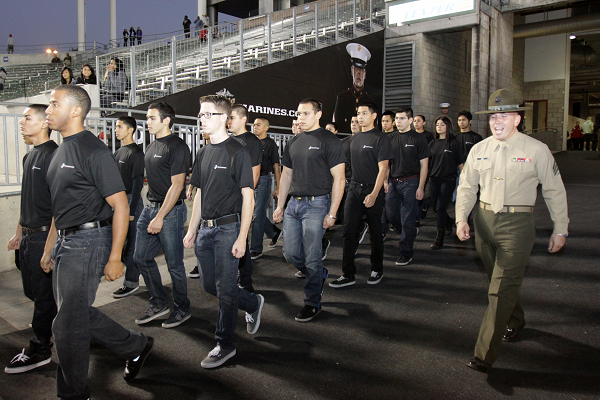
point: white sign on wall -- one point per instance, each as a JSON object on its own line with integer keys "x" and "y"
{"x": 405, "y": 12}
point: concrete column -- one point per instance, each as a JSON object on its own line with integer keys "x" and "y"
{"x": 81, "y": 24}
{"x": 201, "y": 9}
{"x": 113, "y": 23}
{"x": 265, "y": 7}
{"x": 212, "y": 14}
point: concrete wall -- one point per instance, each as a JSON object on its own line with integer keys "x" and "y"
{"x": 554, "y": 92}
{"x": 21, "y": 59}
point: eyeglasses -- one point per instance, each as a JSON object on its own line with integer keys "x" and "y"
{"x": 208, "y": 115}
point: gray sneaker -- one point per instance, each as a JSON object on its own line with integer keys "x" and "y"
{"x": 217, "y": 357}
{"x": 151, "y": 314}
{"x": 176, "y": 318}
{"x": 253, "y": 320}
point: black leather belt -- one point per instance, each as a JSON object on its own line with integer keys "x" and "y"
{"x": 158, "y": 204}
{"x": 311, "y": 198}
{"x": 267, "y": 174}
{"x": 83, "y": 227}
{"x": 28, "y": 231}
{"x": 355, "y": 184}
{"x": 213, "y": 223}
{"x": 396, "y": 180}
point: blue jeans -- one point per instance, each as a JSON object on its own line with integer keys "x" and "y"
{"x": 170, "y": 238}
{"x": 79, "y": 262}
{"x": 132, "y": 273}
{"x": 218, "y": 274}
{"x": 303, "y": 232}
{"x": 400, "y": 211}
{"x": 261, "y": 223}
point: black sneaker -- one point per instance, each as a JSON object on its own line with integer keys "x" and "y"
{"x": 134, "y": 366}
{"x": 253, "y": 320}
{"x": 403, "y": 260}
{"x": 300, "y": 275}
{"x": 151, "y": 314}
{"x": 26, "y": 361}
{"x": 417, "y": 223}
{"x": 255, "y": 254}
{"x": 124, "y": 291}
{"x": 176, "y": 318}
{"x": 362, "y": 234}
{"x": 375, "y": 278}
{"x": 217, "y": 357}
{"x": 275, "y": 239}
{"x": 325, "y": 275}
{"x": 325, "y": 244}
{"x": 194, "y": 274}
{"x": 307, "y": 313}
{"x": 342, "y": 281}
{"x": 249, "y": 289}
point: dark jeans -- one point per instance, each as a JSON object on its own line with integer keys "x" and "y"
{"x": 441, "y": 194}
{"x": 218, "y": 274}
{"x": 260, "y": 221}
{"x": 400, "y": 210}
{"x": 354, "y": 210}
{"x": 245, "y": 269}
{"x": 79, "y": 262}
{"x": 37, "y": 286}
{"x": 132, "y": 273}
{"x": 170, "y": 238}
{"x": 303, "y": 232}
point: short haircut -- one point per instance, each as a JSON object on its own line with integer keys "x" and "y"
{"x": 129, "y": 121}
{"x": 40, "y": 111}
{"x": 164, "y": 111}
{"x": 222, "y": 103}
{"x": 389, "y": 113}
{"x": 264, "y": 119}
{"x": 240, "y": 109}
{"x": 316, "y": 105}
{"x": 334, "y": 125}
{"x": 405, "y": 109}
{"x": 467, "y": 114}
{"x": 422, "y": 117}
{"x": 78, "y": 97}
{"x": 372, "y": 106}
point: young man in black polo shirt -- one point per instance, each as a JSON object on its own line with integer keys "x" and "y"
{"x": 408, "y": 174}
{"x": 130, "y": 160}
{"x": 313, "y": 173}
{"x": 262, "y": 194}
{"x": 33, "y": 229}
{"x": 387, "y": 122}
{"x": 219, "y": 225}
{"x": 370, "y": 154}
{"x": 467, "y": 139}
{"x": 167, "y": 163}
{"x": 91, "y": 214}
{"x": 237, "y": 126}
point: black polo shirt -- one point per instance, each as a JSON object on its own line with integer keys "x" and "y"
{"x": 467, "y": 140}
{"x": 36, "y": 204}
{"x": 254, "y": 146}
{"x": 409, "y": 149}
{"x": 270, "y": 156}
{"x": 130, "y": 160}
{"x": 346, "y": 146}
{"x": 311, "y": 155}
{"x": 428, "y": 136}
{"x": 445, "y": 158}
{"x": 82, "y": 174}
{"x": 165, "y": 157}
{"x": 367, "y": 149}
{"x": 220, "y": 172}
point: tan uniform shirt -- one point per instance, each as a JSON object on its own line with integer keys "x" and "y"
{"x": 529, "y": 163}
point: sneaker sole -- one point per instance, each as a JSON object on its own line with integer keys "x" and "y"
{"x": 337, "y": 286}
{"x": 375, "y": 282}
{"x": 144, "y": 321}
{"x": 261, "y": 303}
{"x": 194, "y": 276}
{"x": 120, "y": 296}
{"x": 174, "y": 324}
{"x": 256, "y": 257}
{"x": 307, "y": 319}
{"x": 218, "y": 363}
{"x": 299, "y": 276}
{"x": 26, "y": 368}
{"x": 406, "y": 263}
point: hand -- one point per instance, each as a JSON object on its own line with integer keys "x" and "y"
{"x": 239, "y": 248}
{"x": 47, "y": 263}
{"x": 386, "y": 186}
{"x": 278, "y": 215}
{"x": 370, "y": 200}
{"x": 276, "y": 192}
{"x": 155, "y": 226}
{"x": 15, "y": 242}
{"x": 420, "y": 194}
{"x": 556, "y": 243}
{"x": 189, "y": 192}
{"x": 462, "y": 231}
{"x": 328, "y": 222}
{"x": 113, "y": 270}
{"x": 190, "y": 239}
{"x": 131, "y": 218}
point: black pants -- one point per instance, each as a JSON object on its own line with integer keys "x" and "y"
{"x": 245, "y": 269}
{"x": 441, "y": 194}
{"x": 353, "y": 211}
{"x": 37, "y": 286}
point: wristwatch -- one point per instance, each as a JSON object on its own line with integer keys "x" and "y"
{"x": 331, "y": 216}
{"x": 565, "y": 235}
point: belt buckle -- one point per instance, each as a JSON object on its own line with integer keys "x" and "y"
{"x": 209, "y": 223}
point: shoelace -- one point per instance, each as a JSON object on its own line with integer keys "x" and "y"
{"x": 20, "y": 357}
{"x": 123, "y": 288}
{"x": 249, "y": 318}
{"x": 215, "y": 352}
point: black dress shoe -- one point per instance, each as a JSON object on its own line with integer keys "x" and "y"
{"x": 133, "y": 367}
{"x": 511, "y": 334}
{"x": 479, "y": 365}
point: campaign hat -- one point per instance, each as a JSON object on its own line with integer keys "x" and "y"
{"x": 503, "y": 100}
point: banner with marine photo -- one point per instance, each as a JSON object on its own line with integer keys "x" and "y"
{"x": 340, "y": 76}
